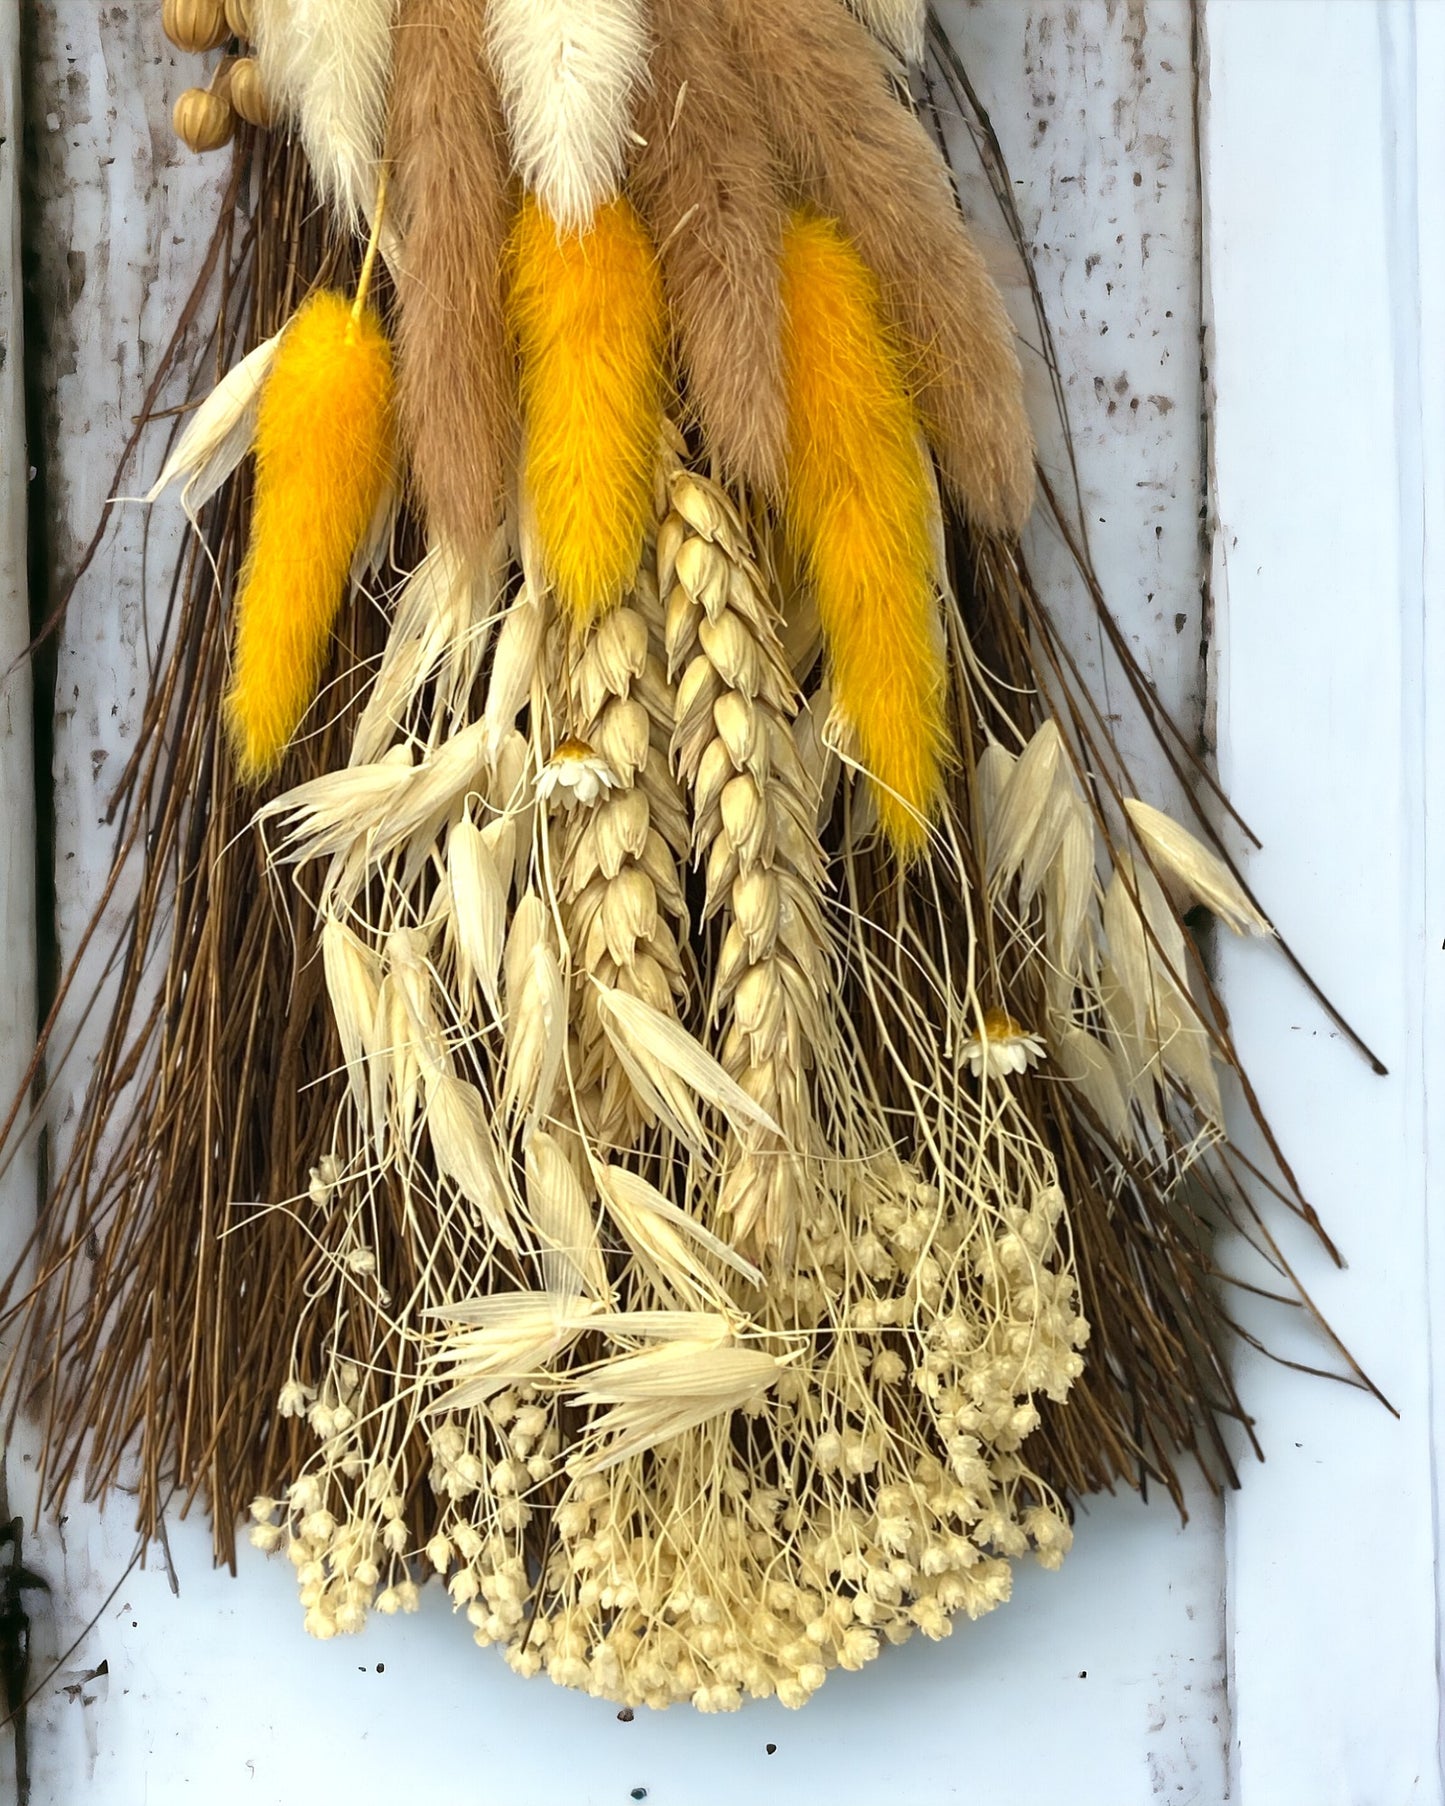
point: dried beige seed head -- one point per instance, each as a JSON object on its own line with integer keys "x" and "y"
{"x": 247, "y": 95}
{"x": 1201, "y": 872}
{"x": 195, "y": 25}
{"x": 203, "y": 121}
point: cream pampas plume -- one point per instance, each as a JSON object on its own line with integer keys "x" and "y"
{"x": 901, "y": 24}
{"x": 861, "y": 156}
{"x": 327, "y": 64}
{"x": 705, "y": 183}
{"x": 455, "y": 385}
{"x": 568, "y": 71}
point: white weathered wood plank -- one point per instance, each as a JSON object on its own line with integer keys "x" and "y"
{"x": 1094, "y": 107}
{"x": 1322, "y": 186}
{"x": 17, "y": 786}
{"x": 1427, "y": 417}
{"x": 125, "y": 219}
{"x": 17, "y": 819}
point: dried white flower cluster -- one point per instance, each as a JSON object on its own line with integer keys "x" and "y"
{"x": 875, "y": 1489}
{"x": 687, "y": 1290}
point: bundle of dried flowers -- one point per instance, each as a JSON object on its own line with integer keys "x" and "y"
{"x": 733, "y": 1106}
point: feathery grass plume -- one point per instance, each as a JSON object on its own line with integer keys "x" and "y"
{"x": 705, "y": 183}
{"x": 323, "y": 459}
{"x": 455, "y": 384}
{"x": 858, "y": 507}
{"x": 588, "y": 316}
{"x": 900, "y": 23}
{"x": 861, "y": 156}
{"x": 327, "y": 64}
{"x": 568, "y": 71}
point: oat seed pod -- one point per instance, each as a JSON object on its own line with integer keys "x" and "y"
{"x": 246, "y": 93}
{"x": 203, "y": 121}
{"x": 196, "y": 25}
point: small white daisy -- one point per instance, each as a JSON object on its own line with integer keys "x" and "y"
{"x": 1002, "y": 1046}
{"x": 575, "y": 774}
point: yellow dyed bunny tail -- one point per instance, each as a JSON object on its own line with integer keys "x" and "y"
{"x": 858, "y": 510}
{"x": 588, "y": 315}
{"x": 323, "y": 458}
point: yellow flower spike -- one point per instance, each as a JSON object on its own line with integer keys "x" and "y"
{"x": 324, "y": 455}
{"x": 588, "y": 316}
{"x": 858, "y": 512}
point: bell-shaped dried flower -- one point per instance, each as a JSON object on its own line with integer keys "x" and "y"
{"x": 1002, "y": 1047}
{"x": 576, "y": 775}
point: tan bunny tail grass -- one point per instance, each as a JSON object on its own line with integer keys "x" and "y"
{"x": 705, "y": 182}
{"x": 456, "y": 388}
{"x": 860, "y": 155}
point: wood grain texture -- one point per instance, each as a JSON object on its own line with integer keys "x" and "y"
{"x": 117, "y": 222}
{"x": 1094, "y": 107}
{"x": 1328, "y": 372}
{"x": 17, "y": 838}
{"x": 17, "y": 814}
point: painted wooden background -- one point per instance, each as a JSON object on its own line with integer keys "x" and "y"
{"x": 1256, "y": 171}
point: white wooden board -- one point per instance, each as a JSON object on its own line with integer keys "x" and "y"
{"x": 17, "y": 815}
{"x": 1326, "y": 232}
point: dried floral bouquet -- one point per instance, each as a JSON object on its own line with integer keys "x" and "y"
{"x": 615, "y": 814}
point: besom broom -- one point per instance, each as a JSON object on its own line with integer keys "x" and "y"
{"x": 681, "y": 1100}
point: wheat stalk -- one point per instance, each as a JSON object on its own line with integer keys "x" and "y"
{"x": 754, "y": 834}
{"x": 618, "y": 881}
